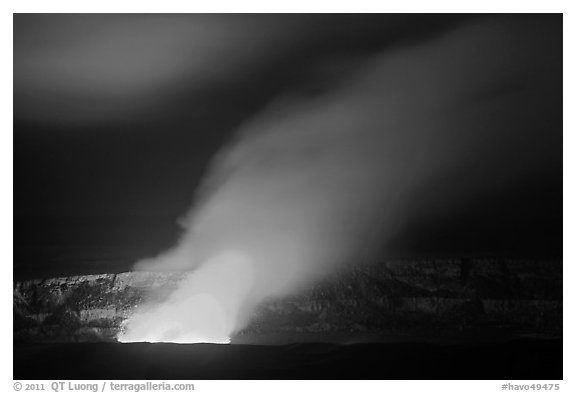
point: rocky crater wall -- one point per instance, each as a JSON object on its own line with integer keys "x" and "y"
{"x": 481, "y": 297}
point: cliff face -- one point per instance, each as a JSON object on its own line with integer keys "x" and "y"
{"x": 85, "y": 308}
{"x": 440, "y": 297}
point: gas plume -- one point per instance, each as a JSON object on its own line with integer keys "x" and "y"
{"x": 318, "y": 181}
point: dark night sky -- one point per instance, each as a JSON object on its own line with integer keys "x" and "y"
{"x": 116, "y": 118}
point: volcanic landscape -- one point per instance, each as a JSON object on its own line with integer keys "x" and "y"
{"x": 288, "y": 196}
{"x": 427, "y": 319}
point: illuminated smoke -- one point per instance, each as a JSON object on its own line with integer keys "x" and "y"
{"x": 201, "y": 309}
{"x": 315, "y": 182}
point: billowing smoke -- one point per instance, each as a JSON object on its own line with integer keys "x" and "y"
{"x": 320, "y": 181}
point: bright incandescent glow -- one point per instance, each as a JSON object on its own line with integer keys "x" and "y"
{"x": 203, "y": 309}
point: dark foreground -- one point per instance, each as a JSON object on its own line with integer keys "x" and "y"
{"x": 519, "y": 359}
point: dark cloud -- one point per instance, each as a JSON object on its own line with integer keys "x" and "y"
{"x": 102, "y": 68}
{"x": 82, "y": 68}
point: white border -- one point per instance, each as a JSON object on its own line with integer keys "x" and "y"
{"x": 336, "y": 6}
